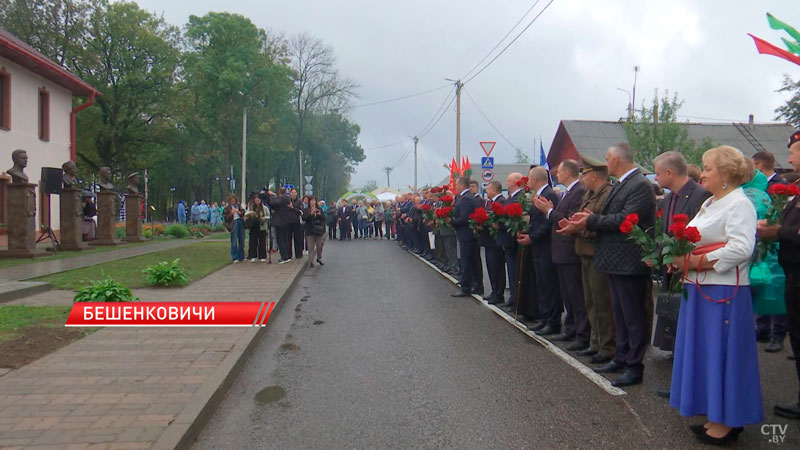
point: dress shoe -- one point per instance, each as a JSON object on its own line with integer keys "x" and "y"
{"x": 628, "y": 378}
{"x": 724, "y": 440}
{"x": 496, "y": 300}
{"x": 461, "y": 294}
{"x": 586, "y": 352}
{"x": 563, "y": 338}
{"x": 507, "y": 305}
{"x": 548, "y": 330}
{"x": 762, "y": 338}
{"x": 611, "y": 367}
{"x": 663, "y": 393}
{"x": 477, "y": 291}
{"x": 599, "y": 358}
{"x": 775, "y": 345}
{"x": 535, "y": 327}
{"x": 788, "y": 411}
{"x": 576, "y": 345}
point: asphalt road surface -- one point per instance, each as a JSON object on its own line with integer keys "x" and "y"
{"x": 371, "y": 352}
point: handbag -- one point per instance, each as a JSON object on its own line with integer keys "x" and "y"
{"x": 702, "y": 251}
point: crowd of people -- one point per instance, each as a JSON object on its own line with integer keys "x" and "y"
{"x": 199, "y": 213}
{"x": 576, "y": 274}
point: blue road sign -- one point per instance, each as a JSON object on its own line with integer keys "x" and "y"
{"x": 487, "y": 162}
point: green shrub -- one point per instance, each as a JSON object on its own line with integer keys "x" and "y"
{"x": 203, "y": 226}
{"x": 105, "y": 290}
{"x": 165, "y": 273}
{"x": 120, "y": 233}
{"x": 198, "y": 234}
{"x": 219, "y": 227}
{"x": 176, "y": 230}
{"x": 147, "y": 234}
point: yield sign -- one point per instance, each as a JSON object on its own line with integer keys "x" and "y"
{"x": 309, "y": 178}
{"x": 487, "y": 147}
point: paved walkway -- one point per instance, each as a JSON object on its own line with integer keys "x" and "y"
{"x": 40, "y": 269}
{"x": 136, "y": 387}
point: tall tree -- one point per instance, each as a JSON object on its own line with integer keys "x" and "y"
{"x": 790, "y": 112}
{"x": 521, "y": 157}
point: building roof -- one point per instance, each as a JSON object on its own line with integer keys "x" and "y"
{"x": 591, "y": 138}
{"x": 26, "y": 56}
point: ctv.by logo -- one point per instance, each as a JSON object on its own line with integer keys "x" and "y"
{"x": 775, "y": 433}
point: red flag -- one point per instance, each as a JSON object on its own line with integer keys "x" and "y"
{"x": 765, "y": 48}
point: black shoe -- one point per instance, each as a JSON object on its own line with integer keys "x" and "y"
{"x": 628, "y": 378}
{"x": 319, "y": 261}
{"x": 586, "y": 352}
{"x": 461, "y": 294}
{"x": 496, "y": 300}
{"x": 788, "y": 411}
{"x": 537, "y": 326}
{"x": 775, "y": 345}
{"x": 664, "y": 393}
{"x": 724, "y": 440}
{"x": 563, "y": 338}
{"x": 548, "y": 330}
{"x": 599, "y": 359}
{"x": 697, "y": 429}
{"x": 478, "y": 291}
{"x": 611, "y": 367}
{"x": 577, "y": 345}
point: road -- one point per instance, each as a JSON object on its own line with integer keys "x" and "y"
{"x": 371, "y": 352}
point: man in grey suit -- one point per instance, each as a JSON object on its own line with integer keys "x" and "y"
{"x": 621, "y": 259}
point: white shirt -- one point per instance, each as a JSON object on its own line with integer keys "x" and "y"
{"x": 539, "y": 192}
{"x": 731, "y": 219}
{"x": 462, "y": 192}
{"x": 622, "y": 178}
{"x": 495, "y": 197}
{"x": 772, "y": 176}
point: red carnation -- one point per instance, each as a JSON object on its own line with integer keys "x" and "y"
{"x": 498, "y": 209}
{"x": 778, "y": 189}
{"x": 792, "y": 189}
{"x": 678, "y": 229}
{"x": 633, "y": 218}
{"x": 514, "y": 210}
{"x": 660, "y": 213}
{"x": 626, "y": 227}
{"x": 680, "y": 218}
{"x": 692, "y": 234}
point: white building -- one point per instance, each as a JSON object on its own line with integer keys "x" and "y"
{"x": 36, "y": 115}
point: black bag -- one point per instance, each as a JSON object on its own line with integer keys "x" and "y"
{"x": 667, "y": 306}
{"x": 251, "y": 222}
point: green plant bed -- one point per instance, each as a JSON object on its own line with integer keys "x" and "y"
{"x": 14, "y": 318}
{"x": 202, "y": 259}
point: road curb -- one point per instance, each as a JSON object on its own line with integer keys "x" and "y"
{"x": 183, "y": 431}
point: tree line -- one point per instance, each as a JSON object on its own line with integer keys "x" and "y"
{"x": 173, "y": 98}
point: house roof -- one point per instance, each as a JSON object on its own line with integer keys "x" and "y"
{"x": 26, "y": 56}
{"x": 593, "y": 137}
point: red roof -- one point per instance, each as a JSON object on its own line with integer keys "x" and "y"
{"x": 23, "y": 54}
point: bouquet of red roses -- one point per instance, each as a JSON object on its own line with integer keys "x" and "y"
{"x": 427, "y": 211}
{"x": 780, "y": 194}
{"x": 515, "y": 219}
{"x": 496, "y": 216}
{"x": 444, "y": 211}
{"x": 478, "y": 220}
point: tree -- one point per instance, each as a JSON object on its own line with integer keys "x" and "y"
{"x": 790, "y": 112}
{"x": 521, "y": 157}
{"x": 369, "y": 186}
{"x": 650, "y": 137}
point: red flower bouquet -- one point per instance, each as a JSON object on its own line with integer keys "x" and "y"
{"x": 478, "y": 219}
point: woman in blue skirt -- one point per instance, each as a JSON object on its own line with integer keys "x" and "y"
{"x": 715, "y": 370}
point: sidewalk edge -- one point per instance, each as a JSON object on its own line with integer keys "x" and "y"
{"x": 183, "y": 431}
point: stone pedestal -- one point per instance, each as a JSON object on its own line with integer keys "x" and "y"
{"x": 133, "y": 221}
{"x": 21, "y": 222}
{"x": 106, "y": 219}
{"x": 71, "y": 214}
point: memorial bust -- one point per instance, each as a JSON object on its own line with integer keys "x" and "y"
{"x": 70, "y": 172}
{"x": 20, "y": 159}
{"x": 133, "y": 183}
{"x": 105, "y": 179}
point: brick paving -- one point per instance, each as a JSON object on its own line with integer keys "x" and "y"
{"x": 120, "y": 388}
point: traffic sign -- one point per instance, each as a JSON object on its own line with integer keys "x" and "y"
{"x": 484, "y": 185}
{"x": 309, "y": 187}
{"x": 487, "y": 174}
{"x": 309, "y": 178}
{"x": 487, "y": 146}
{"x": 487, "y": 162}
{"x": 288, "y": 187}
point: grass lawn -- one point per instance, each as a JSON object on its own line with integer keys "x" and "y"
{"x": 198, "y": 260}
{"x": 61, "y": 255}
{"x": 14, "y": 319}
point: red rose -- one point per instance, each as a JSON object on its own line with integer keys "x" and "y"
{"x": 425, "y": 207}
{"x": 680, "y": 218}
{"x": 445, "y": 187}
{"x": 626, "y": 227}
{"x": 632, "y": 218}
{"x": 678, "y": 229}
{"x": 446, "y": 210}
{"x": 498, "y": 209}
{"x": 446, "y": 199}
{"x": 792, "y": 189}
{"x": 692, "y": 235}
{"x": 480, "y": 215}
{"x": 777, "y": 189}
{"x": 436, "y": 190}
{"x": 660, "y": 213}
{"x": 514, "y": 210}
{"x": 522, "y": 181}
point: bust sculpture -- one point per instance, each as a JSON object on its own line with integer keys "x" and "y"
{"x": 133, "y": 183}
{"x": 105, "y": 179}
{"x": 20, "y": 159}
{"x": 70, "y": 172}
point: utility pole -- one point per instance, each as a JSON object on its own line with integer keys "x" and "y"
{"x": 416, "y": 140}
{"x": 459, "y": 85}
{"x": 388, "y": 170}
{"x": 244, "y": 155}
{"x": 633, "y": 100}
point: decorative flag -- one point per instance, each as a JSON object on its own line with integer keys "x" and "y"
{"x": 765, "y": 48}
{"x": 467, "y": 168}
{"x": 543, "y": 162}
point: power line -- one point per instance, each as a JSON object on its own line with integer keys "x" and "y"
{"x": 385, "y": 145}
{"x": 400, "y": 98}
{"x": 429, "y": 129}
{"x": 438, "y": 110}
{"x": 511, "y": 43}
{"x": 707, "y": 118}
{"x": 403, "y": 158}
{"x": 487, "y": 119}
{"x": 501, "y": 40}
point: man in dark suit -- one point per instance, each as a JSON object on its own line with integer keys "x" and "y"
{"x": 548, "y": 305}
{"x": 495, "y": 258}
{"x": 466, "y": 203}
{"x": 343, "y": 212}
{"x": 771, "y": 328}
{"x": 282, "y": 217}
{"x": 509, "y": 243}
{"x": 568, "y": 265}
{"x": 621, "y": 259}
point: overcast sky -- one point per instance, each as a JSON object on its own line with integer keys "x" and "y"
{"x": 568, "y": 65}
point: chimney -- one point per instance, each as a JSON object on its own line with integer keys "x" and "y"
{"x": 750, "y": 122}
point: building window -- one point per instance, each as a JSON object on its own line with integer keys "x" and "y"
{"x": 44, "y": 114}
{"x": 5, "y": 100}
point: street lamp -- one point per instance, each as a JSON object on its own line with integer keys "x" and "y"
{"x": 630, "y": 103}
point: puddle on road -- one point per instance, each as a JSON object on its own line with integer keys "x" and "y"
{"x": 319, "y": 322}
{"x": 270, "y": 394}
{"x": 289, "y": 347}
{"x": 305, "y": 299}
